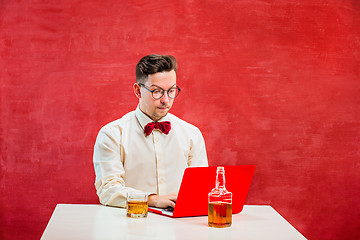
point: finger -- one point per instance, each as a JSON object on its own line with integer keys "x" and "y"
{"x": 171, "y": 204}
{"x": 173, "y": 198}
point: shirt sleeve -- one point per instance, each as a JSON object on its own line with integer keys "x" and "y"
{"x": 108, "y": 164}
{"x": 197, "y": 155}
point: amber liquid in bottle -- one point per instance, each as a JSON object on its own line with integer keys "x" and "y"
{"x": 220, "y": 203}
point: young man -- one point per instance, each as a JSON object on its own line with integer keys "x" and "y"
{"x": 147, "y": 150}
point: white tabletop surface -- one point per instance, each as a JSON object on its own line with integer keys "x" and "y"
{"x": 79, "y": 221}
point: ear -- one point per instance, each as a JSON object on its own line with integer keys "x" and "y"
{"x": 136, "y": 88}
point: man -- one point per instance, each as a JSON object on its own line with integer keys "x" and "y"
{"x": 147, "y": 150}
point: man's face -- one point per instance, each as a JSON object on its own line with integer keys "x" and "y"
{"x": 157, "y": 108}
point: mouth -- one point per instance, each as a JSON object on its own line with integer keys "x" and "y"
{"x": 163, "y": 108}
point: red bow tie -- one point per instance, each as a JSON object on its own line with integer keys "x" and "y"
{"x": 163, "y": 126}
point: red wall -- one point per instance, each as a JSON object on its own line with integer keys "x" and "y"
{"x": 270, "y": 83}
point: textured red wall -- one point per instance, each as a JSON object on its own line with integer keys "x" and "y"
{"x": 270, "y": 83}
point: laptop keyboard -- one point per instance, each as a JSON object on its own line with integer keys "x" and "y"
{"x": 169, "y": 209}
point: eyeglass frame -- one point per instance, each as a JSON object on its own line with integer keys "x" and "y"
{"x": 163, "y": 91}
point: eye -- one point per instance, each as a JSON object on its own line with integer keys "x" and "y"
{"x": 172, "y": 90}
{"x": 157, "y": 91}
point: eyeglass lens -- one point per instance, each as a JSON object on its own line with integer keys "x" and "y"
{"x": 172, "y": 93}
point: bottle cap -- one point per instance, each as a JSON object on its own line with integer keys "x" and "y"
{"x": 220, "y": 168}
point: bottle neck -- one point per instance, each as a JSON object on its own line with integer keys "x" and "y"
{"x": 220, "y": 178}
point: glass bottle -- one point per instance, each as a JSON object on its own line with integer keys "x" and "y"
{"x": 220, "y": 202}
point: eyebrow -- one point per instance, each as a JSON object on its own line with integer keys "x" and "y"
{"x": 154, "y": 85}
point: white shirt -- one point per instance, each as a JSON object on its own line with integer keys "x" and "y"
{"x": 126, "y": 160}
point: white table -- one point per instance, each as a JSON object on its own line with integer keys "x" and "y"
{"x": 79, "y": 221}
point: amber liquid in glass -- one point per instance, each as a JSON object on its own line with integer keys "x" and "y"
{"x": 137, "y": 208}
{"x": 220, "y": 214}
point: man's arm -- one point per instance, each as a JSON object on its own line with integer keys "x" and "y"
{"x": 109, "y": 169}
{"x": 197, "y": 156}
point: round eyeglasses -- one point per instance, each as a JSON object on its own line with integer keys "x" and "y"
{"x": 158, "y": 93}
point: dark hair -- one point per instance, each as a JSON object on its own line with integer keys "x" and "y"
{"x": 154, "y": 63}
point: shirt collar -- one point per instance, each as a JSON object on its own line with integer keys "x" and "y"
{"x": 144, "y": 119}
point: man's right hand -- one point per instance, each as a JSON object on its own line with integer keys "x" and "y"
{"x": 163, "y": 201}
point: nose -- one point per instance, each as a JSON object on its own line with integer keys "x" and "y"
{"x": 165, "y": 99}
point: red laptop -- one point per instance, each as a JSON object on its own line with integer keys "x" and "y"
{"x": 197, "y": 182}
